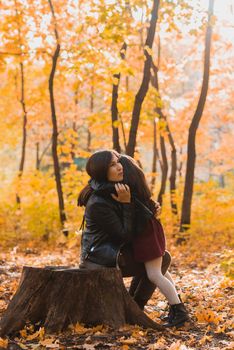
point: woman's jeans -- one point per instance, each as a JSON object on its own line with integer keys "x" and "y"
{"x": 141, "y": 289}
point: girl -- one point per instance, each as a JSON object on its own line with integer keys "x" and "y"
{"x": 149, "y": 243}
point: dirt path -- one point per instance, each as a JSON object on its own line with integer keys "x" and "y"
{"x": 206, "y": 292}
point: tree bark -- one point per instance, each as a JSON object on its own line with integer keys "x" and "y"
{"x": 55, "y": 128}
{"x": 114, "y": 104}
{"x": 154, "y": 161}
{"x": 23, "y": 106}
{"x": 89, "y": 136}
{"x": 164, "y": 169}
{"x": 24, "y": 138}
{"x": 37, "y": 156}
{"x": 55, "y": 297}
{"x": 140, "y": 96}
{"x": 155, "y": 84}
{"x": 191, "y": 149}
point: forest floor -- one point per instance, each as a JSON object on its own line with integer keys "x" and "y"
{"x": 205, "y": 290}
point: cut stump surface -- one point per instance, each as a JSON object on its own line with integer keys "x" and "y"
{"x": 55, "y": 297}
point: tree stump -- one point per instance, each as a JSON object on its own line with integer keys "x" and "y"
{"x": 55, "y": 297}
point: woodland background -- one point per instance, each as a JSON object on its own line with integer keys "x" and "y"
{"x": 79, "y": 76}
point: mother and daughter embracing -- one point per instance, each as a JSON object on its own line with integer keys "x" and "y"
{"x": 121, "y": 229}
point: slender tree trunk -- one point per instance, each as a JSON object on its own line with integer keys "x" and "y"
{"x": 114, "y": 104}
{"x": 191, "y": 149}
{"x": 164, "y": 169}
{"x": 74, "y": 125}
{"x": 154, "y": 81}
{"x": 40, "y": 157}
{"x": 89, "y": 136}
{"x": 140, "y": 96}
{"x": 127, "y": 83}
{"x": 123, "y": 132}
{"x": 73, "y": 145}
{"x": 55, "y": 128}
{"x": 180, "y": 167}
{"x": 37, "y": 156}
{"x": 154, "y": 161}
{"x": 23, "y": 106}
{"x": 24, "y": 138}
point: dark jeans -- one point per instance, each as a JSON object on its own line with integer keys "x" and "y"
{"x": 141, "y": 289}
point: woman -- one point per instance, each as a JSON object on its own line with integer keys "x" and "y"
{"x": 149, "y": 243}
{"x": 109, "y": 224}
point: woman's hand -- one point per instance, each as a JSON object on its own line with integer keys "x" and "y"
{"x": 158, "y": 209}
{"x": 123, "y": 193}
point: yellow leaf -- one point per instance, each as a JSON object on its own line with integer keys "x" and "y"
{"x": 78, "y": 328}
{"x": 221, "y": 329}
{"x": 3, "y": 343}
{"x": 205, "y": 339}
{"x": 207, "y": 315}
{"x": 115, "y": 81}
{"x": 23, "y": 333}
{"x": 148, "y": 50}
{"x": 116, "y": 123}
{"x": 37, "y": 334}
{"x": 125, "y": 347}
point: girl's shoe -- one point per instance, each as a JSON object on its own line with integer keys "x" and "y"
{"x": 179, "y": 316}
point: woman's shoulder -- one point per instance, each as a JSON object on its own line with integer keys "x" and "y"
{"x": 96, "y": 201}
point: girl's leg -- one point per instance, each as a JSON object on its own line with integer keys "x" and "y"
{"x": 169, "y": 277}
{"x": 153, "y": 269}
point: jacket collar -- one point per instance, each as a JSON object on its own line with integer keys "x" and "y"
{"x": 102, "y": 188}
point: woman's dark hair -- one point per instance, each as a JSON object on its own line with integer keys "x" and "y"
{"x": 134, "y": 177}
{"x": 97, "y": 168}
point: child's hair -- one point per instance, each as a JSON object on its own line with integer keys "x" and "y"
{"x": 134, "y": 177}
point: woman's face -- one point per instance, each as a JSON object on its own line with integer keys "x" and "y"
{"x": 115, "y": 171}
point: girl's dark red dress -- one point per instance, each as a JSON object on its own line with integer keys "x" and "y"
{"x": 151, "y": 243}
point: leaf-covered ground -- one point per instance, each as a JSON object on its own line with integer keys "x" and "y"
{"x": 207, "y": 293}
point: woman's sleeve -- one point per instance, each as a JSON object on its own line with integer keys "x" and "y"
{"x": 107, "y": 219}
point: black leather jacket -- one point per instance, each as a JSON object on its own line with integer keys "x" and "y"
{"x": 108, "y": 226}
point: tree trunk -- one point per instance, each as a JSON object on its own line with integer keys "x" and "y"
{"x": 37, "y": 156}
{"x": 191, "y": 149}
{"x": 89, "y": 136}
{"x": 24, "y": 139}
{"x": 140, "y": 96}
{"x": 55, "y": 129}
{"x": 155, "y": 84}
{"x": 123, "y": 133}
{"x": 154, "y": 161}
{"x": 23, "y": 106}
{"x": 164, "y": 169}
{"x": 114, "y": 104}
{"x": 55, "y": 297}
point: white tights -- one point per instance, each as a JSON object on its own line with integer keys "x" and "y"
{"x": 164, "y": 283}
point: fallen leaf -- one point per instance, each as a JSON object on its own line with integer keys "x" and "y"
{"x": 125, "y": 347}
{"x": 206, "y": 338}
{"x": 175, "y": 345}
{"x": 128, "y": 341}
{"x": 3, "y": 343}
{"x": 50, "y": 343}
